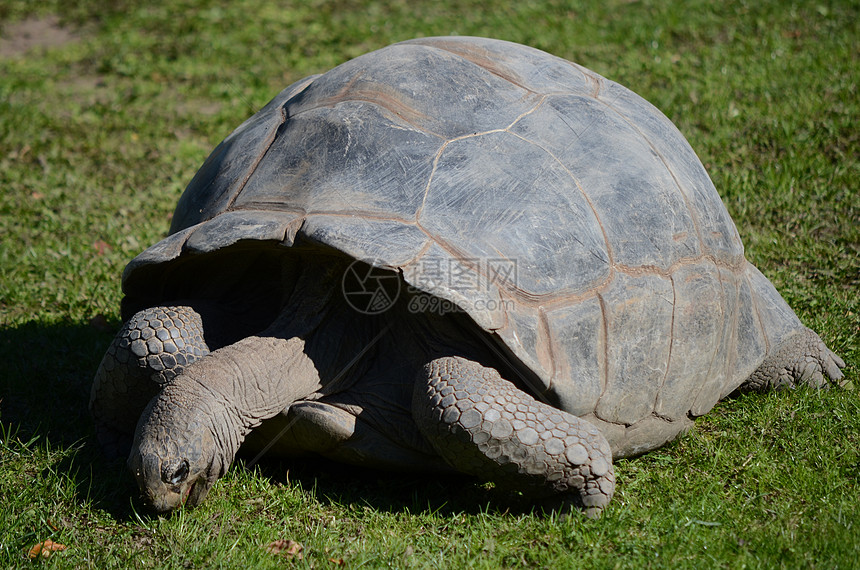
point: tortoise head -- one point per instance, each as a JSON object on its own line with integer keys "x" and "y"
{"x": 178, "y": 452}
{"x": 190, "y": 432}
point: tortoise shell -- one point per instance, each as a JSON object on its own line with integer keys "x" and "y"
{"x": 562, "y": 212}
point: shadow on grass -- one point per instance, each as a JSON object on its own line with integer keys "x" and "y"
{"x": 44, "y": 393}
{"x": 446, "y": 494}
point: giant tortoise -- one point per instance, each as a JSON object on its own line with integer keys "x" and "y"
{"x": 454, "y": 254}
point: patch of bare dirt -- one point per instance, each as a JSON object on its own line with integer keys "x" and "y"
{"x": 41, "y": 32}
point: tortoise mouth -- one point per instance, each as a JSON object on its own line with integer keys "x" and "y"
{"x": 188, "y": 493}
{"x": 186, "y": 497}
{"x": 195, "y": 492}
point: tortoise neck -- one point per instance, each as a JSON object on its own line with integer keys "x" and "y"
{"x": 256, "y": 378}
{"x": 236, "y": 387}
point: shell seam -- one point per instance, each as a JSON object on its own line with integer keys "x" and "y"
{"x": 445, "y": 144}
{"x": 604, "y": 369}
{"x": 332, "y": 102}
{"x": 669, "y": 355}
{"x": 260, "y": 157}
{"x": 475, "y": 63}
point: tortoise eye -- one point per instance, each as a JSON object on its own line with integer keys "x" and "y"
{"x": 178, "y": 475}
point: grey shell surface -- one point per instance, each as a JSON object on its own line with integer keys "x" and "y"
{"x": 563, "y": 212}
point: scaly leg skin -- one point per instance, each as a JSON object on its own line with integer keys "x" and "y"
{"x": 802, "y": 358}
{"x": 152, "y": 347}
{"x": 483, "y": 425}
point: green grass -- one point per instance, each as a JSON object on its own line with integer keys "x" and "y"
{"x": 99, "y": 136}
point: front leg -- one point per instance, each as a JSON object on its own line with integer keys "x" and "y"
{"x": 150, "y": 349}
{"x": 483, "y": 425}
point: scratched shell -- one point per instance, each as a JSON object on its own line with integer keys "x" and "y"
{"x": 564, "y": 213}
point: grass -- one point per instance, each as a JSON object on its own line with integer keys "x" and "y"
{"x": 99, "y": 135}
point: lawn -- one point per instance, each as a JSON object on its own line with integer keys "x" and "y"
{"x": 108, "y": 109}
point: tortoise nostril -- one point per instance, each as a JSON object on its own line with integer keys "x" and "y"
{"x": 178, "y": 475}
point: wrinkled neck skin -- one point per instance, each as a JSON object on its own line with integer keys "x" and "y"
{"x": 189, "y": 434}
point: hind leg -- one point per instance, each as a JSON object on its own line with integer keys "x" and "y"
{"x": 483, "y": 425}
{"x": 152, "y": 347}
{"x": 319, "y": 427}
{"x": 801, "y": 359}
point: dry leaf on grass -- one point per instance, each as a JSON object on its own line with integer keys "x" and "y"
{"x": 289, "y": 548}
{"x": 45, "y": 549}
{"x": 101, "y": 247}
